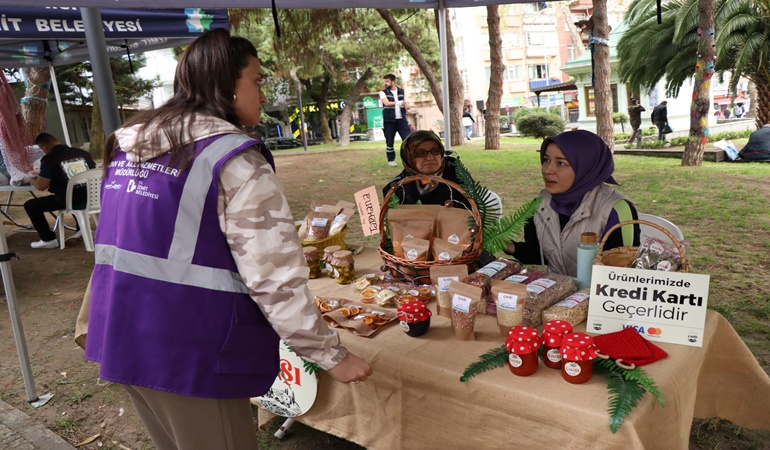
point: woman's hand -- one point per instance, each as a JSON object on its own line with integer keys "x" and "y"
{"x": 510, "y": 248}
{"x": 351, "y": 369}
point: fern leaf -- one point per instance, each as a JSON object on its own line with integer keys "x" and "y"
{"x": 624, "y": 396}
{"x": 312, "y": 367}
{"x": 497, "y": 236}
{"x": 497, "y": 357}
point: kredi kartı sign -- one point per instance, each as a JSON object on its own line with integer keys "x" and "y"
{"x": 661, "y": 306}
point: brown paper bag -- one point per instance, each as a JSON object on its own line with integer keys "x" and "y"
{"x": 465, "y": 299}
{"x": 441, "y": 277}
{"x": 509, "y": 299}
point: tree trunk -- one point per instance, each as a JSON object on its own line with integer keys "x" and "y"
{"x": 602, "y": 88}
{"x": 96, "y": 131}
{"x": 763, "y": 102}
{"x": 494, "y": 96}
{"x": 350, "y": 105}
{"x": 36, "y": 96}
{"x": 574, "y": 33}
{"x": 455, "y": 85}
{"x": 752, "y": 112}
{"x": 696, "y": 144}
{"x": 416, "y": 55}
{"x": 321, "y": 102}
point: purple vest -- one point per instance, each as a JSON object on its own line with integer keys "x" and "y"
{"x": 169, "y": 310}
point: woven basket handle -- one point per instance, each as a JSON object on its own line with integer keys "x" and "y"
{"x": 679, "y": 247}
{"x": 428, "y": 178}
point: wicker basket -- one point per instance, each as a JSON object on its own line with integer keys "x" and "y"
{"x": 624, "y": 256}
{"x": 335, "y": 239}
{"x": 419, "y": 271}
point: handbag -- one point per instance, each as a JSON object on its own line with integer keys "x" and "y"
{"x": 667, "y": 129}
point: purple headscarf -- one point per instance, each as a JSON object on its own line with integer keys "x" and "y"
{"x": 590, "y": 158}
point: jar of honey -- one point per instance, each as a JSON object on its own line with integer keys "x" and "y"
{"x": 522, "y": 344}
{"x": 578, "y": 352}
{"x": 553, "y": 332}
{"x": 312, "y": 260}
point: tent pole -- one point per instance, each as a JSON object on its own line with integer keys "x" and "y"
{"x": 59, "y": 105}
{"x": 18, "y": 330}
{"x": 100, "y": 66}
{"x": 444, "y": 77}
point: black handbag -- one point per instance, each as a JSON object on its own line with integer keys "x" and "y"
{"x": 667, "y": 129}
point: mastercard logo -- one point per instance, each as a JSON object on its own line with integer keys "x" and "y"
{"x": 654, "y": 331}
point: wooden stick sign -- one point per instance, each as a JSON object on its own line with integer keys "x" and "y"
{"x": 369, "y": 210}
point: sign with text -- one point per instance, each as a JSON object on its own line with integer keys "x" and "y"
{"x": 369, "y": 210}
{"x": 661, "y": 306}
{"x": 294, "y": 390}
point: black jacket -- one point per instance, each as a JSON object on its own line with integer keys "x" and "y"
{"x": 409, "y": 195}
{"x": 660, "y": 114}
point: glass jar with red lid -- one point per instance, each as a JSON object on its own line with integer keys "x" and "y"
{"x": 553, "y": 332}
{"x": 522, "y": 344}
{"x": 414, "y": 316}
{"x": 578, "y": 352}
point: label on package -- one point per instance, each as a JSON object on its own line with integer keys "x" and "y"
{"x": 453, "y": 239}
{"x": 492, "y": 268}
{"x": 515, "y": 360}
{"x": 461, "y": 303}
{"x": 319, "y": 222}
{"x": 444, "y": 282}
{"x": 573, "y": 300}
{"x": 507, "y": 301}
{"x": 517, "y": 278}
{"x": 538, "y": 286}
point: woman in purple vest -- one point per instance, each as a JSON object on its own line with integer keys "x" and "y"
{"x": 199, "y": 270}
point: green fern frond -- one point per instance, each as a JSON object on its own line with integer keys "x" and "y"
{"x": 636, "y": 375}
{"x": 624, "y": 396}
{"x": 497, "y": 357}
{"x": 497, "y": 236}
{"x": 476, "y": 192}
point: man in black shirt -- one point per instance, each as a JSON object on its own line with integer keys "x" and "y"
{"x": 58, "y": 165}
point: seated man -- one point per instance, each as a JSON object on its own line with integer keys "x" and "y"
{"x": 758, "y": 147}
{"x": 58, "y": 165}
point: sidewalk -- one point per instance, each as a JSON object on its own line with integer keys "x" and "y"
{"x": 18, "y": 431}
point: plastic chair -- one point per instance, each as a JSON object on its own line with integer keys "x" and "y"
{"x": 92, "y": 179}
{"x": 497, "y": 208}
{"x": 652, "y": 232}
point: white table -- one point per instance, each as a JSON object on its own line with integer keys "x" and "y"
{"x": 11, "y": 190}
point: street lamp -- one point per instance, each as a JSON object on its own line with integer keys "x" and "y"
{"x": 298, "y": 88}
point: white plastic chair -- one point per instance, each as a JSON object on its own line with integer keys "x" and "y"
{"x": 646, "y": 230}
{"x": 92, "y": 179}
{"x": 497, "y": 208}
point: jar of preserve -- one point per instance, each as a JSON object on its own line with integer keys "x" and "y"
{"x": 328, "y": 252}
{"x": 553, "y": 331}
{"x": 415, "y": 317}
{"x": 522, "y": 344}
{"x": 343, "y": 267}
{"x": 313, "y": 262}
{"x": 578, "y": 352}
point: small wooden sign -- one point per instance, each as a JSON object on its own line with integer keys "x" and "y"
{"x": 369, "y": 210}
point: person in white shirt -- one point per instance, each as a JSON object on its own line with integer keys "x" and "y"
{"x": 394, "y": 115}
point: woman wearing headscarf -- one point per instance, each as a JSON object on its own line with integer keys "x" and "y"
{"x": 576, "y": 168}
{"x": 422, "y": 153}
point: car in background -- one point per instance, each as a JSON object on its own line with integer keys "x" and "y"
{"x": 282, "y": 143}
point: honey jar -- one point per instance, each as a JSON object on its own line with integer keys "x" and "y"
{"x": 578, "y": 352}
{"x": 312, "y": 260}
{"x": 553, "y": 332}
{"x": 522, "y": 344}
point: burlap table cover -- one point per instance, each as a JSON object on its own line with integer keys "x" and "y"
{"x": 416, "y": 400}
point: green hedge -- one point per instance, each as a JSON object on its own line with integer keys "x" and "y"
{"x": 681, "y": 141}
{"x": 540, "y": 125}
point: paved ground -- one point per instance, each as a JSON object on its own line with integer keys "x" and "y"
{"x": 19, "y": 432}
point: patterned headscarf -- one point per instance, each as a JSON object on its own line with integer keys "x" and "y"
{"x": 589, "y": 157}
{"x": 412, "y": 141}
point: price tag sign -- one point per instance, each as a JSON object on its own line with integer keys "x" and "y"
{"x": 294, "y": 390}
{"x": 661, "y": 306}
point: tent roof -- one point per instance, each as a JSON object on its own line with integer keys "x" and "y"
{"x": 327, "y": 4}
{"x": 33, "y": 37}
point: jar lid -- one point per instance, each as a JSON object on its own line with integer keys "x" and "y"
{"x": 310, "y": 252}
{"x": 577, "y": 347}
{"x": 554, "y": 331}
{"x": 345, "y": 256}
{"x": 588, "y": 238}
{"x": 413, "y": 311}
{"x": 522, "y": 340}
{"x": 332, "y": 248}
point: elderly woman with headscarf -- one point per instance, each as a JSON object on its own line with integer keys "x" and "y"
{"x": 575, "y": 167}
{"x": 422, "y": 153}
